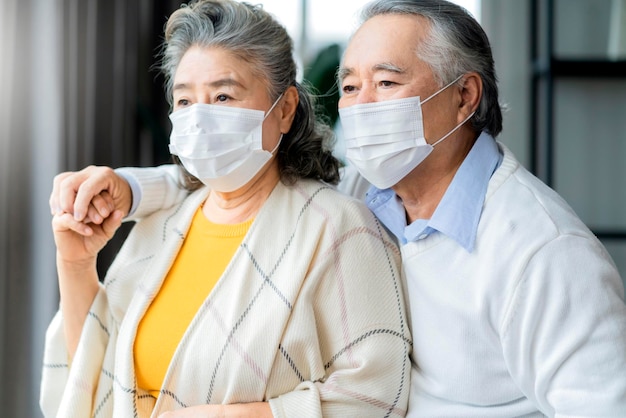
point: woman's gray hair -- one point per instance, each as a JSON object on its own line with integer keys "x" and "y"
{"x": 256, "y": 37}
{"x": 455, "y": 45}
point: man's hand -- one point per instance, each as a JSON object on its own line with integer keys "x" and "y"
{"x": 90, "y": 195}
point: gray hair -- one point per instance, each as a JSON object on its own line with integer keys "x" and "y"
{"x": 456, "y": 44}
{"x": 254, "y": 36}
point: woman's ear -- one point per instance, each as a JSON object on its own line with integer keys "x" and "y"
{"x": 288, "y": 106}
{"x": 471, "y": 93}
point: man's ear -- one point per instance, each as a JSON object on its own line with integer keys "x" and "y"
{"x": 288, "y": 106}
{"x": 471, "y": 93}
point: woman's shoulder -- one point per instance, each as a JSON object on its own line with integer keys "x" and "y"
{"x": 327, "y": 198}
{"x": 164, "y": 222}
{"x": 327, "y": 191}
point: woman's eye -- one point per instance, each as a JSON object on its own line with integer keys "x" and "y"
{"x": 182, "y": 103}
{"x": 221, "y": 98}
{"x": 348, "y": 89}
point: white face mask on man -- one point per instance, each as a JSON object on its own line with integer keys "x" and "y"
{"x": 385, "y": 140}
{"x": 220, "y": 145}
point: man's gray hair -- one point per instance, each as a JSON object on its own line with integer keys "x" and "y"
{"x": 456, "y": 44}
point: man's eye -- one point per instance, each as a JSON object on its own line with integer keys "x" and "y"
{"x": 221, "y": 98}
{"x": 386, "y": 83}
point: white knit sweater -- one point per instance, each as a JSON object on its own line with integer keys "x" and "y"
{"x": 531, "y": 322}
{"x": 309, "y": 315}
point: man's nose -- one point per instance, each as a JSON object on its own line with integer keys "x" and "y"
{"x": 366, "y": 95}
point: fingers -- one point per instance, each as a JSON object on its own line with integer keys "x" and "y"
{"x": 96, "y": 180}
{"x": 100, "y": 208}
{"x": 89, "y": 194}
{"x": 65, "y": 189}
{"x": 110, "y": 224}
{"x": 63, "y": 222}
{"x": 54, "y": 201}
{"x": 77, "y": 242}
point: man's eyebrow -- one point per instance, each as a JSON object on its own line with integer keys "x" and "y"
{"x": 222, "y": 82}
{"x": 344, "y": 72}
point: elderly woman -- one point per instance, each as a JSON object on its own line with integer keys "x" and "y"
{"x": 265, "y": 292}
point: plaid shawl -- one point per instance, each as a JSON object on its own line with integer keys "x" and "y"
{"x": 309, "y": 315}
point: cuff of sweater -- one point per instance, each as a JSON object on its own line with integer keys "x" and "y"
{"x": 135, "y": 188}
{"x": 146, "y": 185}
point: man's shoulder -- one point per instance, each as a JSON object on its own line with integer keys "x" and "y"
{"x": 526, "y": 201}
{"x": 353, "y": 183}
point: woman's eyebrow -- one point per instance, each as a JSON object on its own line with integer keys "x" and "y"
{"x": 222, "y": 82}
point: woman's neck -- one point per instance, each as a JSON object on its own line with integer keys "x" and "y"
{"x": 242, "y": 204}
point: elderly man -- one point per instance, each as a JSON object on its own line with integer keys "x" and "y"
{"x": 516, "y": 308}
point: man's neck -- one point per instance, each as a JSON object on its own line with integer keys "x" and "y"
{"x": 424, "y": 187}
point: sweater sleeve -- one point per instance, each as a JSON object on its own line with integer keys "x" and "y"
{"x": 352, "y": 308}
{"x": 72, "y": 390}
{"x": 565, "y": 334}
{"x": 153, "y": 189}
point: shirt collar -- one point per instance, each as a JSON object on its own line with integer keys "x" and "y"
{"x": 458, "y": 213}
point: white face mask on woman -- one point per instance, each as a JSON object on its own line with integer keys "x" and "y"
{"x": 385, "y": 140}
{"x": 220, "y": 145}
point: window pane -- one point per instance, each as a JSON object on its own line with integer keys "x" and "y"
{"x": 590, "y": 29}
{"x": 590, "y": 149}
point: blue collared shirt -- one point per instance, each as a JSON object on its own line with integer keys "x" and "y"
{"x": 458, "y": 213}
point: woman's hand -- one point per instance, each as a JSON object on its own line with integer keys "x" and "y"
{"x": 79, "y": 243}
{"x": 240, "y": 410}
{"x": 77, "y": 251}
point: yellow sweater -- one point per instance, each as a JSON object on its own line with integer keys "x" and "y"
{"x": 203, "y": 257}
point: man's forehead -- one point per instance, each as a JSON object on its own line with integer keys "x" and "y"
{"x": 393, "y": 26}
{"x": 386, "y": 36}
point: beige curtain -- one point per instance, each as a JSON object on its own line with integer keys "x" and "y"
{"x": 74, "y": 90}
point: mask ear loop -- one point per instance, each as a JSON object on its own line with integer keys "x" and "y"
{"x": 454, "y": 129}
{"x": 457, "y": 126}
{"x": 273, "y": 106}
{"x": 267, "y": 114}
{"x": 277, "y": 144}
{"x": 441, "y": 89}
